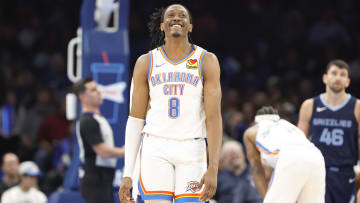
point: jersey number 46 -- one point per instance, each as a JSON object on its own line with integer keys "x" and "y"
{"x": 334, "y": 137}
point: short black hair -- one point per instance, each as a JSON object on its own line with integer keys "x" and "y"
{"x": 338, "y": 63}
{"x": 267, "y": 110}
{"x": 79, "y": 86}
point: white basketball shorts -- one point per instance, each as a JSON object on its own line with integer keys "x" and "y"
{"x": 299, "y": 176}
{"x": 171, "y": 169}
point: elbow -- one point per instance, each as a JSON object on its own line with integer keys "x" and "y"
{"x": 255, "y": 170}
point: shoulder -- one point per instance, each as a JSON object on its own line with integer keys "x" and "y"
{"x": 87, "y": 117}
{"x": 39, "y": 194}
{"x": 143, "y": 60}
{"x": 251, "y": 132}
{"x": 143, "y": 64}
{"x": 210, "y": 57}
{"x": 87, "y": 120}
{"x": 12, "y": 191}
{"x": 211, "y": 64}
{"x": 307, "y": 104}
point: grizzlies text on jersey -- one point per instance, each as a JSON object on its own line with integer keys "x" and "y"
{"x": 334, "y": 131}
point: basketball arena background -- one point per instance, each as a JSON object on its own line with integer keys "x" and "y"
{"x": 272, "y": 52}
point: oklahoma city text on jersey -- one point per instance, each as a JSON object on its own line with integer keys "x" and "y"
{"x": 174, "y": 89}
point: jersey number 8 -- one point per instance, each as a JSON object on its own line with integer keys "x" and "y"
{"x": 174, "y": 106}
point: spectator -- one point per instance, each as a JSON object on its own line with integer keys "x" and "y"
{"x": 11, "y": 119}
{"x": 51, "y": 132}
{"x": 10, "y": 168}
{"x": 34, "y": 117}
{"x": 235, "y": 184}
{"x": 27, "y": 190}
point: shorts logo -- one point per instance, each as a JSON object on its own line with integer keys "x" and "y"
{"x": 193, "y": 186}
{"x": 191, "y": 64}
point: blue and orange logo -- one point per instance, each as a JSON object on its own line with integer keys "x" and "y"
{"x": 193, "y": 186}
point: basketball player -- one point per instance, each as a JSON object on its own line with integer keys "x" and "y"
{"x": 299, "y": 168}
{"x": 181, "y": 83}
{"x": 331, "y": 121}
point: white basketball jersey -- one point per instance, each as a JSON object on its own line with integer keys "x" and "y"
{"x": 275, "y": 135}
{"x": 176, "y": 95}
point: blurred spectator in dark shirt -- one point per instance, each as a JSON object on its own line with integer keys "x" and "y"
{"x": 34, "y": 117}
{"x": 235, "y": 184}
{"x": 11, "y": 120}
{"x": 328, "y": 28}
{"x": 51, "y": 132}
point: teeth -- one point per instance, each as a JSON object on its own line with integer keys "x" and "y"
{"x": 178, "y": 26}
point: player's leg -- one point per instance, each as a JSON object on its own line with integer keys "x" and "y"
{"x": 314, "y": 188}
{"x": 156, "y": 179}
{"x": 189, "y": 170}
{"x": 288, "y": 178}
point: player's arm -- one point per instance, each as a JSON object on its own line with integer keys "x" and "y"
{"x": 135, "y": 123}
{"x": 253, "y": 156}
{"x": 357, "y": 116}
{"x": 212, "y": 105}
{"x": 305, "y": 116}
{"x": 105, "y": 151}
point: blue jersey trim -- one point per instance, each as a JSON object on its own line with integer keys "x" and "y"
{"x": 153, "y": 196}
{"x": 322, "y": 99}
{"x": 201, "y": 64}
{"x": 149, "y": 68}
{"x": 262, "y": 146}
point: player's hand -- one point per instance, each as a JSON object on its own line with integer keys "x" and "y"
{"x": 124, "y": 191}
{"x": 210, "y": 181}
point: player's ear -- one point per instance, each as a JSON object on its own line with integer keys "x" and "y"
{"x": 347, "y": 82}
{"x": 81, "y": 96}
{"x": 191, "y": 27}
{"x": 324, "y": 78}
{"x": 162, "y": 27}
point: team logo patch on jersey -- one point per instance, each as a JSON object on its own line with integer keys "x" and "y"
{"x": 192, "y": 64}
{"x": 193, "y": 186}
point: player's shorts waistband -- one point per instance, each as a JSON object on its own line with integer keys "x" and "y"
{"x": 345, "y": 168}
{"x": 166, "y": 138}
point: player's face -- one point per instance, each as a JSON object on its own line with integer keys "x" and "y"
{"x": 92, "y": 94}
{"x": 336, "y": 79}
{"x": 176, "y": 21}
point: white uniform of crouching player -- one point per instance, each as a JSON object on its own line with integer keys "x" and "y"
{"x": 299, "y": 168}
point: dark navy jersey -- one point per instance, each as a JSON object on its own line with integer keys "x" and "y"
{"x": 334, "y": 131}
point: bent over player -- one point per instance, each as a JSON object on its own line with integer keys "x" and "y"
{"x": 180, "y": 82}
{"x": 299, "y": 168}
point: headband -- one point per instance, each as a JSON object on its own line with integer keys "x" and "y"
{"x": 272, "y": 117}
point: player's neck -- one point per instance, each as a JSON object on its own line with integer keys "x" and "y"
{"x": 334, "y": 99}
{"x": 177, "y": 49}
{"x": 91, "y": 109}
{"x": 24, "y": 187}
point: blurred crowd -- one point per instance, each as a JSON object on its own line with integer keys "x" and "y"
{"x": 271, "y": 53}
